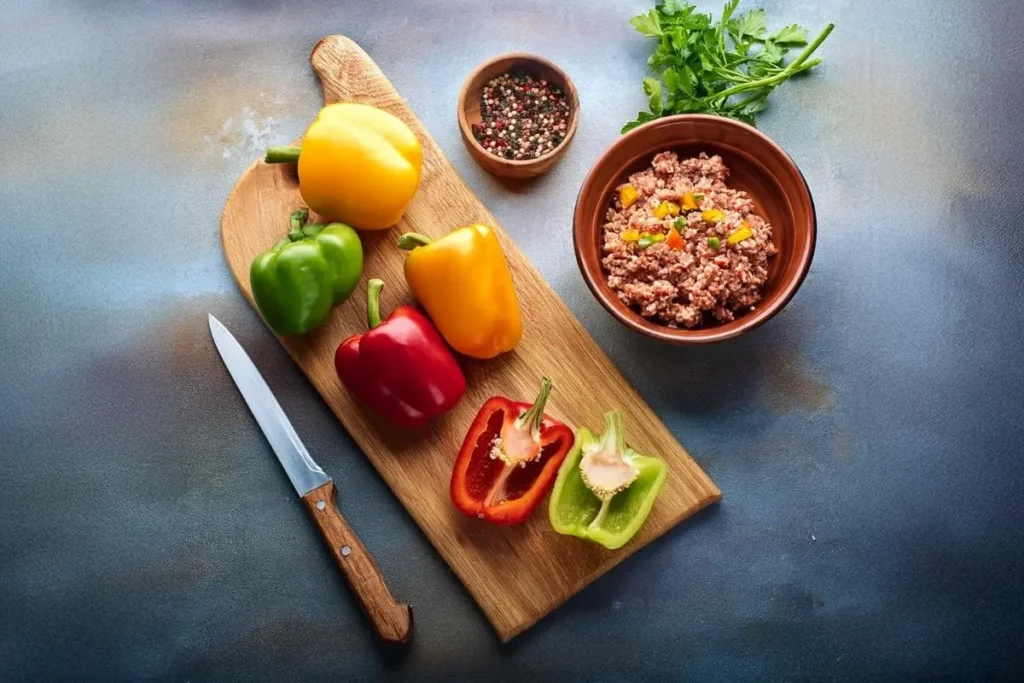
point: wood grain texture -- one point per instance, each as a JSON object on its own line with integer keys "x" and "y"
{"x": 516, "y": 574}
{"x": 391, "y": 620}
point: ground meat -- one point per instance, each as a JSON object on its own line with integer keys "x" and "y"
{"x": 679, "y": 286}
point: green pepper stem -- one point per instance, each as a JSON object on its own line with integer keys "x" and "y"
{"x": 282, "y": 154}
{"x": 296, "y": 222}
{"x": 601, "y": 514}
{"x": 312, "y": 230}
{"x": 533, "y": 417}
{"x": 373, "y": 288}
{"x": 614, "y": 437}
{"x": 412, "y": 240}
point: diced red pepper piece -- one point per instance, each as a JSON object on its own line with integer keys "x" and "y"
{"x": 674, "y": 240}
{"x": 509, "y": 459}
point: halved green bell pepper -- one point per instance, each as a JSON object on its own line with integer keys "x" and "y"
{"x": 605, "y": 489}
{"x": 297, "y": 281}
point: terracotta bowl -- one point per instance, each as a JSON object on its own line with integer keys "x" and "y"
{"x": 756, "y": 165}
{"x": 469, "y": 112}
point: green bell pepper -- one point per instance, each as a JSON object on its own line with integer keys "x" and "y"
{"x": 605, "y": 489}
{"x": 297, "y": 281}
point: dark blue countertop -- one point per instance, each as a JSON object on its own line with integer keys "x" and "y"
{"x": 868, "y": 441}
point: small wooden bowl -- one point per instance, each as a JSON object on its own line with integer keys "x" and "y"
{"x": 469, "y": 112}
{"x": 756, "y": 165}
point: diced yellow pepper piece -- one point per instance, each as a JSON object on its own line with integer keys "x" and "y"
{"x": 627, "y": 196}
{"x": 661, "y": 211}
{"x": 741, "y": 233}
{"x": 673, "y": 209}
{"x": 629, "y": 235}
{"x": 712, "y": 216}
{"x": 658, "y": 237}
{"x": 689, "y": 202}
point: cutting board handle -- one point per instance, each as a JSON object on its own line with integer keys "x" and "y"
{"x": 391, "y": 620}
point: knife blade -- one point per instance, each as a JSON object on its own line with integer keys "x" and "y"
{"x": 391, "y": 620}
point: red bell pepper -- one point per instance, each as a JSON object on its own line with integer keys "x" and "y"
{"x": 509, "y": 459}
{"x": 401, "y": 368}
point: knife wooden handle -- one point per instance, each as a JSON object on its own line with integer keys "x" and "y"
{"x": 391, "y": 620}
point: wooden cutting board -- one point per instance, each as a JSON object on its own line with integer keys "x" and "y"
{"x": 516, "y": 574}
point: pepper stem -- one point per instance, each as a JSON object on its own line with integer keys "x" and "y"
{"x": 533, "y": 417}
{"x": 282, "y": 154}
{"x": 614, "y": 437}
{"x": 297, "y": 221}
{"x": 373, "y": 288}
{"x": 412, "y": 240}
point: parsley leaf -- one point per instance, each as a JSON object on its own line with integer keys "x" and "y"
{"x": 790, "y": 35}
{"x": 726, "y": 67}
{"x": 641, "y": 118}
{"x": 652, "y": 86}
{"x": 727, "y": 11}
{"x": 674, "y": 7}
{"x": 752, "y": 23}
{"x": 670, "y": 78}
{"x": 648, "y": 24}
{"x": 685, "y": 79}
{"x": 771, "y": 53}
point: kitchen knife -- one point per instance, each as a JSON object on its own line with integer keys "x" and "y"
{"x": 391, "y": 620}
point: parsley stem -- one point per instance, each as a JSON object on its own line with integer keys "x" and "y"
{"x": 809, "y": 64}
{"x": 749, "y": 100}
{"x": 782, "y": 75}
{"x": 809, "y": 50}
{"x": 731, "y": 74}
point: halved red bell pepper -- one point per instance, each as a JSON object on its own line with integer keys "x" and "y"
{"x": 401, "y": 368}
{"x": 509, "y": 459}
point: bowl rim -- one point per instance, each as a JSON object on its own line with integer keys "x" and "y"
{"x": 572, "y": 94}
{"x": 703, "y": 335}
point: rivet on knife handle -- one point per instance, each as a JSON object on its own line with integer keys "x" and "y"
{"x": 391, "y": 620}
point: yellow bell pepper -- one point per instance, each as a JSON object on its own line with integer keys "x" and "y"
{"x": 689, "y": 202}
{"x": 712, "y": 216}
{"x": 463, "y": 282}
{"x": 357, "y": 165}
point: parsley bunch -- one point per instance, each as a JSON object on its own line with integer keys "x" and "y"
{"x": 727, "y": 68}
